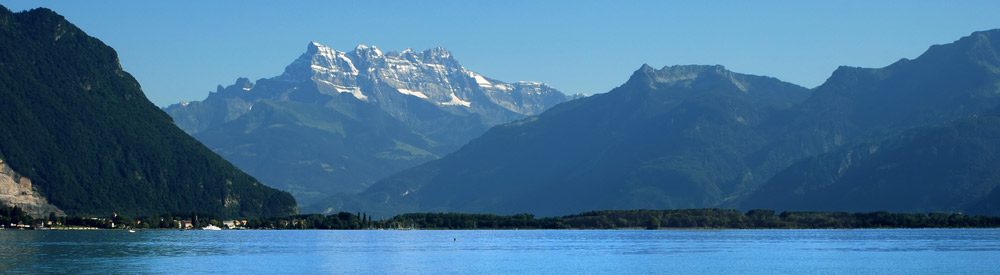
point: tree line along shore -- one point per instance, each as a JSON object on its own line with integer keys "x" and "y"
{"x": 13, "y": 217}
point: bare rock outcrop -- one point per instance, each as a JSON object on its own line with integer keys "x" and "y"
{"x": 16, "y": 190}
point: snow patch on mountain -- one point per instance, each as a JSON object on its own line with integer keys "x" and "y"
{"x": 353, "y": 90}
{"x": 328, "y": 61}
{"x": 457, "y": 101}
{"x": 480, "y": 80}
{"x": 413, "y": 93}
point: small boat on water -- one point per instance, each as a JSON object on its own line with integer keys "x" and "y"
{"x": 211, "y": 227}
{"x": 131, "y": 231}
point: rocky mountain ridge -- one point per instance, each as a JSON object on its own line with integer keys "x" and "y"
{"x": 399, "y": 83}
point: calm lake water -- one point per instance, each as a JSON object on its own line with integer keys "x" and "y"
{"x": 896, "y": 251}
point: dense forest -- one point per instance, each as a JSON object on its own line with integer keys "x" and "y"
{"x": 691, "y": 218}
{"x": 82, "y": 130}
{"x": 606, "y": 219}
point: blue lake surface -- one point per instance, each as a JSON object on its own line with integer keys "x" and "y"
{"x": 874, "y": 251}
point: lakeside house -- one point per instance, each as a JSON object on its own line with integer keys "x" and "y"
{"x": 17, "y": 226}
{"x": 234, "y": 224}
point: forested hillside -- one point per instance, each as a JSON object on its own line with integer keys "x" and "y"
{"x": 82, "y": 130}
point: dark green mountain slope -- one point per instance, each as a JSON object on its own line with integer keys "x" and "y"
{"x": 877, "y": 108}
{"x": 946, "y": 168}
{"x": 990, "y": 205}
{"x": 946, "y": 82}
{"x": 670, "y": 138}
{"x": 688, "y": 137}
{"x": 80, "y": 127}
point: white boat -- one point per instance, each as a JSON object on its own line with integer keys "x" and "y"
{"x": 211, "y": 227}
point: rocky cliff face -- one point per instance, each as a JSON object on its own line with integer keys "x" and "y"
{"x": 16, "y": 190}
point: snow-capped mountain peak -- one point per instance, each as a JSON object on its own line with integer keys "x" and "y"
{"x": 396, "y": 80}
{"x": 366, "y": 51}
{"x": 438, "y": 53}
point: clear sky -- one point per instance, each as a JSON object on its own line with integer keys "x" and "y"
{"x": 180, "y": 50}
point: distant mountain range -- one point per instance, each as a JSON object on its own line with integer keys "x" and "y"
{"x": 914, "y": 136}
{"x": 335, "y": 122}
{"x": 78, "y": 136}
{"x": 677, "y": 137}
{"x": 397, "y": 132}
{"x": 919, "y": 135}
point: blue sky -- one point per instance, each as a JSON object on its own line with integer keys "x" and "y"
{"x": 181, "y": 51}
